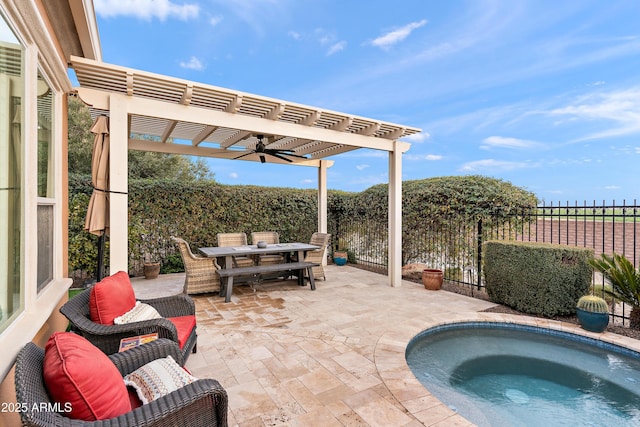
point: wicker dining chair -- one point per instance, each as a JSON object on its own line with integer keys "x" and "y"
{"x": 318, "y": 255}
{"x": 271, "y": 237}
{"x": 203, "y": 403}
{"x": 235, "y": 239}
{"x": 201, "y": 275}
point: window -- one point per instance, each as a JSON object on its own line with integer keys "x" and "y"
{"x": 46, "y": 180}
{"x": 11, "y": 172}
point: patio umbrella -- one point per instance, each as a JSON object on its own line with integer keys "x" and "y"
{"x": 97, "y": 221}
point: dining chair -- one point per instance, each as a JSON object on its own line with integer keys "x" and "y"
{"x": 318, "y": 255}
{"x": 201, "y": 272}
{"x": 235, "y": 239}
{"x": 271, "y": 237}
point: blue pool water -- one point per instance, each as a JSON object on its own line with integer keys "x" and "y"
{"x": 499, "y": 374}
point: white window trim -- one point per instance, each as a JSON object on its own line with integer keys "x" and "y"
{"x": 36, "y": 308}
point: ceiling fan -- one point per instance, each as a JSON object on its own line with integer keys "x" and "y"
{"x": 261, "y": 150}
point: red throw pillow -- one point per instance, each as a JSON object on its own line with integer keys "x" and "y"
{"x": 82, "y": 379}
{"x": 112, "y": 297}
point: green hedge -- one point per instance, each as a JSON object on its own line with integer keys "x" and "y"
{"x": 536, "y": 278}
{"x": 198, "y": 210}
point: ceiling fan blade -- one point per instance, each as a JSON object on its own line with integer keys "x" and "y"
{"x": 244, "y": 155}
{"x": 294, "y": 155}
{"x": 278, "y": 155}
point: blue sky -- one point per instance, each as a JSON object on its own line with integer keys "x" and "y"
{"x": 544, "y": 94}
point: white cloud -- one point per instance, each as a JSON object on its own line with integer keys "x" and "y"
{"x": 215, "y": 20}
{"x": 294, "y": 35}
{"x": 505, "y": 142}
{"x": 233, "y": 175}
{"x": 362, "y": 167}
{"x": 389, "y": 39}
{"x": 307, "y": 181}
{"x": 428, "y": 157}
{"x": 146, "y": 9}
{"x": 337, "y": 47}
{"x": 492, "y": 165}
{"x": 612, "y": 187}
{"x": 193, "y": 64}
{"x": 620, "y": 108}
{"x": 417, "y": 137}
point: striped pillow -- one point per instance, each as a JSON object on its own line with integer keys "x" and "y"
{"x": 158, "y": 378}
{"x": 138, "y": 313}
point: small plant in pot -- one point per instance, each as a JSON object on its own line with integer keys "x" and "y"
{"x": 340, "y": 256}
{"x": 593, "y": 313}
{"x": 341, "y": 253}
{"x": 151, "y": 268}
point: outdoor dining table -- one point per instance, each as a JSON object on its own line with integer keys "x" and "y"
{"x": 229, "y": 271}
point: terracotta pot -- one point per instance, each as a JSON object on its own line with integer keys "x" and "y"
{"x": 151, "y": 270}
{"x": 432, "y": 279}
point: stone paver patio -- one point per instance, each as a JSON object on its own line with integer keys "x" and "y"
{"x": 289, "y": 356}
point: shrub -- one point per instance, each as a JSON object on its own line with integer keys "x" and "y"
{"x": 535, "y": 278}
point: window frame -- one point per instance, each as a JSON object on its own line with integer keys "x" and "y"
{"x": 38, "y": 316}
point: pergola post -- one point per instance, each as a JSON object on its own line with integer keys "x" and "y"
{"x": 119, "y": 137}
{"x": 395, "y": 213}
{"x": 322, "y": 196}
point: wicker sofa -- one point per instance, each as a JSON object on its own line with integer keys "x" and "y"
{"x": 201, "y": 403}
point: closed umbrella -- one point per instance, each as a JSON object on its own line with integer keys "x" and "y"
{"x": 97, "y": 221}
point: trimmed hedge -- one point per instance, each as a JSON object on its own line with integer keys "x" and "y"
{"x": 198, "y": 210}
{"x": 536, "y": 278}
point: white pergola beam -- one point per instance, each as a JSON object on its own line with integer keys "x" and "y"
{"x": 204, "y": 133}
{"x": 191, "y": 114}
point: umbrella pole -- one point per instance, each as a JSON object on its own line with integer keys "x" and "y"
{"x": 100, "y": 273}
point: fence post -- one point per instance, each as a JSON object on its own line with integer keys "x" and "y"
{"x": 480, "y": 254}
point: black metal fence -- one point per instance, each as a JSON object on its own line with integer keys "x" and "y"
{"x": 456, "y": 246}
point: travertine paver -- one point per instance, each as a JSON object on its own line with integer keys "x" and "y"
{"x": 288, "y": 356}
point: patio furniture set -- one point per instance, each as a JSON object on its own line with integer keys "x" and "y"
{"x": 89, "y": 376}
{"x": 121, "y": 363}
{"x": 265, "y": 258}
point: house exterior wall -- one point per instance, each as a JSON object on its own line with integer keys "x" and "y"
{"x": 34, "y": 298}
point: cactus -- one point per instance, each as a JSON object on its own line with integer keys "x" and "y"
{"x": 593, "y": 304}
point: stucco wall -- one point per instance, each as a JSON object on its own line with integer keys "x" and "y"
{"x": 56, "y": 322}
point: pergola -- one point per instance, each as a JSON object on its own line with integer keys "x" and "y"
{"x": 202, "y": 120}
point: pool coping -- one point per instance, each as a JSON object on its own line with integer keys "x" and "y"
{"x": 389, "y": 358}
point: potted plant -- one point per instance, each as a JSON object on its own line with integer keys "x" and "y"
{"x": 593, "y": 313}
{"x": 340, "y": 256}
{"x": 432, "y": 279}
{"x": 624, "y": 280}
{"x": 150, "y": 268}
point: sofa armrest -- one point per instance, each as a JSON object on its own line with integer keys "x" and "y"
{"x": 133, "y": 358}
{"x": 173, "y": 306}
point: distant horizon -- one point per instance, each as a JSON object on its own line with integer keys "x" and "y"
{"x": 539, "y": 93}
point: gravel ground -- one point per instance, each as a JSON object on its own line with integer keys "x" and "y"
{"x": 465, "y": 290}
